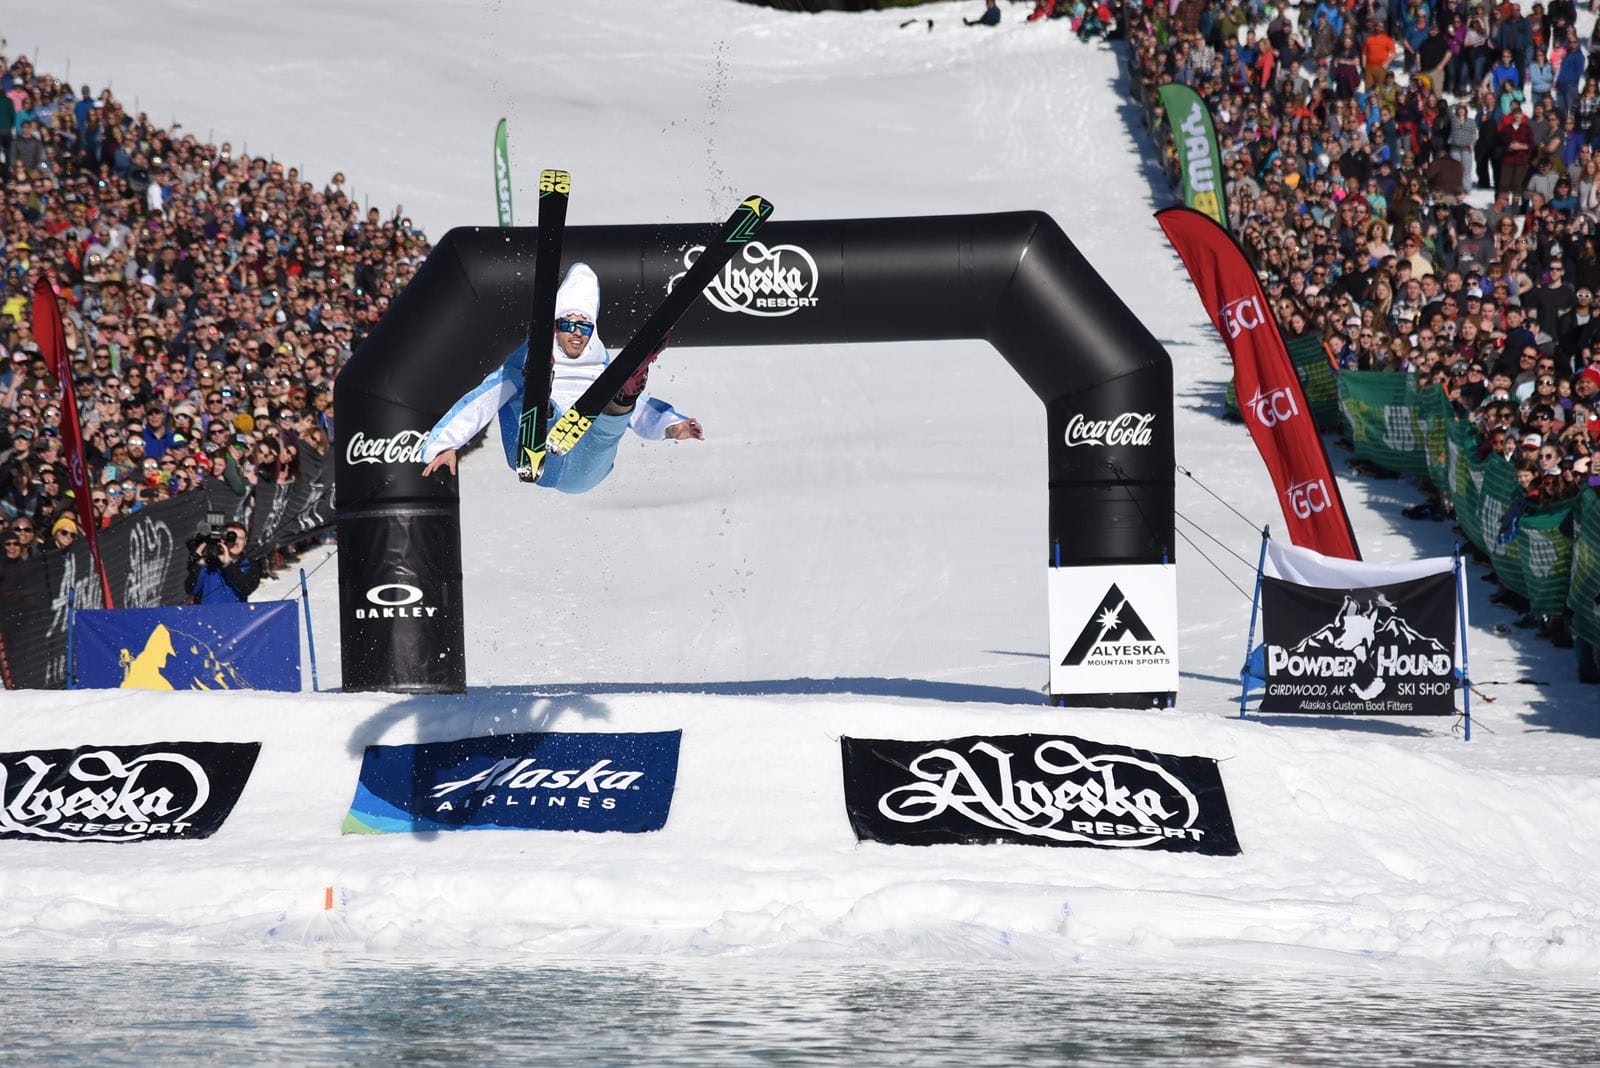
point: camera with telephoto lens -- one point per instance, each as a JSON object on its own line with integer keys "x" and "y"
{"x": 207, "y": 539}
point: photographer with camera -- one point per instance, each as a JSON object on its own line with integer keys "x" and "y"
{"x": 219, "y": 571}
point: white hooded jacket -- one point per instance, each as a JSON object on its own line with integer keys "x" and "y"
{"x": 501, "y": 391}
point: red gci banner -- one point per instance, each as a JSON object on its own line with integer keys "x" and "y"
{"x": 51, "y": 336}
{"x": 1270, "y": 396}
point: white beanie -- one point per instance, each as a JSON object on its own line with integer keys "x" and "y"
{"x": 579, "y": 293}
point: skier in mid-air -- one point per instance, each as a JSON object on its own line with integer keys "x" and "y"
{"x": 579, "y": 357}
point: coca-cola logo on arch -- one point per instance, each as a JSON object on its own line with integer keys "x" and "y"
{"x": 404, "y": 447}
{"x": 1129, "y": 429}
{"x": 768, "y": 281}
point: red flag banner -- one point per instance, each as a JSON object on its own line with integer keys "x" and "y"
{"x": 52, "y": 339}
{"x": 1270, "y": 396}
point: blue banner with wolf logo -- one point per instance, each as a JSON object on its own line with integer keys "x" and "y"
{"x": 547, "y": 781}
{"x": 197, "y": 647}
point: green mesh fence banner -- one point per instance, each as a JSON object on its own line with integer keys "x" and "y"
{"x": 1382, "y": 419}
{"x": 1417, "y": 433}
{"x": 1436, "y": 416}
{"x": 1316, "y": 376}
{"x": 1498, "y": 489}
{"x": 1464, "y": 480}
{"x": 1545, "y": 554}
{"x": 1583, "y": 596}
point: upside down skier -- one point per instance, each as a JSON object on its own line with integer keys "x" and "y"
{"x": 579, "y": 357}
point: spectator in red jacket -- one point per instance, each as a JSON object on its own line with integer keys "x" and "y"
{"x": 1516, "y": 152}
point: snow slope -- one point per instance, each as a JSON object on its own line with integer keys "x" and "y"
{"x": 819, "y": 566}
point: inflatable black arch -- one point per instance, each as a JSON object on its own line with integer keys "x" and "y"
{"x": 1012, "y": 279}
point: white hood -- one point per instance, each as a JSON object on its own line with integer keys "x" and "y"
{"x": 580, "y": 295}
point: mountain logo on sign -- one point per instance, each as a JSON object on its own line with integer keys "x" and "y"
{"x": 1105, "y": 639}
{"x": 1368, "y": 642}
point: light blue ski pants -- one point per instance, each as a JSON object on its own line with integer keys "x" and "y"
{"x": 590, "y": 461}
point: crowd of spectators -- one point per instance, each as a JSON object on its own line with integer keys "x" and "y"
{"x": 209, "y": 300}
{"x": 1417, "y": 183}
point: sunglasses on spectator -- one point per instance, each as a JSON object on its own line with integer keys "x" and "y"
{"x": 570, "y": 326}
{"x": 22, "y": 528}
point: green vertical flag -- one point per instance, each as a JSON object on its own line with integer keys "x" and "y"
{"x": 1194, "y": 136}
{"x": 502, "y": 176}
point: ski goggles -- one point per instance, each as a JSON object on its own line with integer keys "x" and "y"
{"x": 575, "y": 326}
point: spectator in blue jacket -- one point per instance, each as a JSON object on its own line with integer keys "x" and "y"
{"x": 990, "y": 16}
{"x": 1334, "y": 12}
{"x": 82, "y": 108}
{"x": 1569, "y": 78}
{"x": 1541, "y": 77}
{"x": 219, "y": 571}
{"x": 1505, "y": 70}
{"x": 157, "y": 434}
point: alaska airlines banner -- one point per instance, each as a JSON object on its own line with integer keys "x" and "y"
{"x": 1035, "y": 789}
{"x": 1194, "y": 137}
{"x": 540, "y": 781}
{"x": 1270, "y": 394}
{"x": 198, "y": 647}
{"x": 1379, "y": 650}
{"x": 122, "y": 793}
